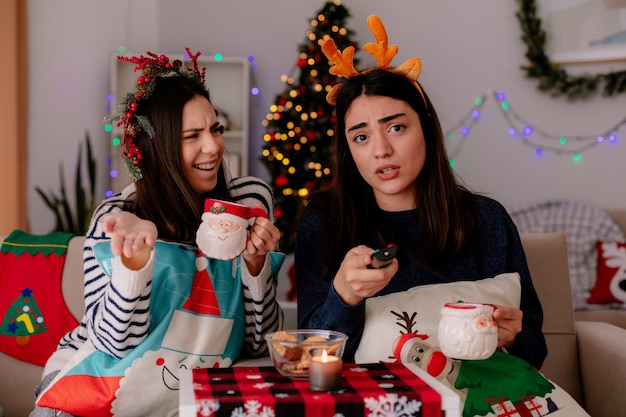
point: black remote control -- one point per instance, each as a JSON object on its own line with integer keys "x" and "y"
{"x": 383, "y": 256}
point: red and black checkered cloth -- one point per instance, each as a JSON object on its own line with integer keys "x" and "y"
{"x": 367, "y": 389}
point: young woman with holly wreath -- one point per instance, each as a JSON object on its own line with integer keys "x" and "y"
{"x": 148, "y": 289}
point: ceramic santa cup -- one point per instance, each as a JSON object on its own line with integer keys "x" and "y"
{"x": 468, "y": 331}
{"x": 224, "y": 228}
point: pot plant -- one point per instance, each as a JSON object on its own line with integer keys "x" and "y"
{"x": 73, "y": 216}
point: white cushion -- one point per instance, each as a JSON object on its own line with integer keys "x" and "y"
{"x": 418, "y": 311}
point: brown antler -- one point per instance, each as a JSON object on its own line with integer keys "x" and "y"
{"x": 380, "y": 49}
{"x": 341, "y": 65}
{"x": 403, "y": 320}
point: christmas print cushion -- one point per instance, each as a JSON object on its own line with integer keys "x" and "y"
{"x": 403, "y": 327}
{"x": 610, "y": 285}
{"x": 197, "y": 320}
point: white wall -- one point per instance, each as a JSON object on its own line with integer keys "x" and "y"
{"x": 467, "y": 48}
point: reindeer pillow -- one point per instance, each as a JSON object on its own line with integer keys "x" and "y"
{"x": 403, "y": 326}
{"x": 610, "y": 286}
{"x": 418, "y": 310}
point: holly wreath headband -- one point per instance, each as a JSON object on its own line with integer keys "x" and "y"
{"x": 152, "y": 66}
{"x": 342, "y": 63}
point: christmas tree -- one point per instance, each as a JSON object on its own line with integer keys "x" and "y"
{"x": 300, "y": 126}
{"x": 23, "y": 318}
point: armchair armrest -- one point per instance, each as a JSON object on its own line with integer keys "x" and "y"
{"x": 602, "y": 356}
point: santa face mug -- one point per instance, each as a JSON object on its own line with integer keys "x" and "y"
{"x": 468, "y": 331}
{"x": 224, "y": 228}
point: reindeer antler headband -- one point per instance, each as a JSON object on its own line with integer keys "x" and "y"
{"x": 342, "y": 63}
{"x": 152, "y": 67}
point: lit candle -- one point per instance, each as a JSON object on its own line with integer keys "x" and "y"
{"x": 325, "y": 372}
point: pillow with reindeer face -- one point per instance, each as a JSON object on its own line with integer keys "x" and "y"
{"x": 403, "y": 327}
{"x": 418, "y": 310}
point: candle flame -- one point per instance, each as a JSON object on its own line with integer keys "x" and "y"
{"x": 324, "y": 356}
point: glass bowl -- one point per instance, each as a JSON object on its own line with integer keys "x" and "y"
{"x": 291, "y": 350}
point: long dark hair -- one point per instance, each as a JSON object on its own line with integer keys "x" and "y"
{"x": 446, "y": 210}
{"x": 163, "y": 194}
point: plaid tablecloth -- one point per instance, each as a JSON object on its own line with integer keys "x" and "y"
{"x": 388, "y": 389}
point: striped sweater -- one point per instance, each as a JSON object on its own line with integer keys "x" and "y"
{"x": 117, "y": 319}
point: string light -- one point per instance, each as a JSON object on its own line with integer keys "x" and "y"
{"x": 536, "y": 137}
{"x": 528, "y": 133}
{"x": 464, "y": 127}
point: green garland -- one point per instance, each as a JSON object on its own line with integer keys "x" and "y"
{"x": 552, "y": 78}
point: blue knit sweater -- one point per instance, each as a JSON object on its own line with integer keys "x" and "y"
{"x": 495, "y": 248}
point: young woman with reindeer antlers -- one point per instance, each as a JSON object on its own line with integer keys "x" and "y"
{"x": 393, "y": 184}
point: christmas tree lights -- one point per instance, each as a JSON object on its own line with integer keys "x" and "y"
{"x": 300, "y": 124}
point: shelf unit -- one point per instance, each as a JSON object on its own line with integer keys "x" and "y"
{"x": 228, "y": 81}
